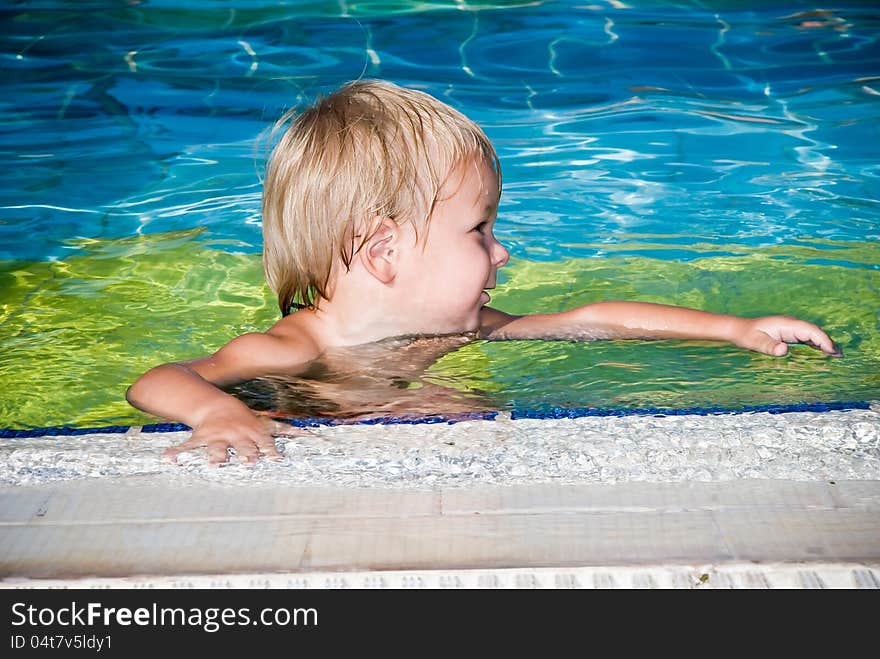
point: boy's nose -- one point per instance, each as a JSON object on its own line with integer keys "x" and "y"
{"x": 500, "y": 255}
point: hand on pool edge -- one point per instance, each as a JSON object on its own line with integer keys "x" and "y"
{"x": 771, "y": 335}
{"x": 250, "y": 436}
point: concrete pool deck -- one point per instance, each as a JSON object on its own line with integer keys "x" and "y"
{"x": 111, "y": 514}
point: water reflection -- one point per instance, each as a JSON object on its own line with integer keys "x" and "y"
{"x": 385, "y": 378}
{"x": 722, "y": 157}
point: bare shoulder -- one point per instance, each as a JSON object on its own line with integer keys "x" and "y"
{"x": 268, "y": 351}
{"x": 296, "y": 335}
{"x": 280, "y": 350}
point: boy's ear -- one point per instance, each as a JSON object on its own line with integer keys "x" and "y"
{"x": 379, "y": 254}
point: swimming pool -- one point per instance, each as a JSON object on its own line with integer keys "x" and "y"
{"x": 704, "y": 154}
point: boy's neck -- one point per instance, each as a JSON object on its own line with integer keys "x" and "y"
{"x": 353, "y": 317}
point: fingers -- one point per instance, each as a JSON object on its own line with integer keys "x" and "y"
{"x": 217, "y": 453}
{"x": 819, "y": 339}
{"x": 813, "y": 336}
{"x": 781, "y": 330}
{"x": 248, "y": 448}
{"x": 762, "y": 342}
{"x": 266, "y": 447}
{"x": 193, "y": 442}
{"x": 778, "y": 349}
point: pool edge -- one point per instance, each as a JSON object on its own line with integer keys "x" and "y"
{"x": 489, "y": 415}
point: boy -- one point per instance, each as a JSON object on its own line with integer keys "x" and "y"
{"x": 378, "y": 213}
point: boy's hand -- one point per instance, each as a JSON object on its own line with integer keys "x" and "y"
{"x": 250, "y": 435}
{"x": 770, "y": 335}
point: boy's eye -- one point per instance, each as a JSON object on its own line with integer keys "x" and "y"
{"x": 480, "y": 226}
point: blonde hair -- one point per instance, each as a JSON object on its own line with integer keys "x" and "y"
{"x": 369, "y": 149}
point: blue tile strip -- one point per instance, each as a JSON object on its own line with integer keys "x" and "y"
{"x": 573, "y": 413}
{"x": 552, "y": 413}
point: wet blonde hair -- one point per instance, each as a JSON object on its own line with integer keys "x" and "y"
{"x": 370, "y": 149}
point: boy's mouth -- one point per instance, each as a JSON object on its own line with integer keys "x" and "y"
{"x": 484, "y": 298}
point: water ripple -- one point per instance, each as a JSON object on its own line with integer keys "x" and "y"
{"x": 630, "y": 130}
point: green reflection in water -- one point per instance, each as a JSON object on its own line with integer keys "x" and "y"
{"x": 836, "y": 285}
{"x": 76, "y": 333}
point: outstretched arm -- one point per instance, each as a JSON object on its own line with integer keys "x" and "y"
{"x": 644, "y": 320}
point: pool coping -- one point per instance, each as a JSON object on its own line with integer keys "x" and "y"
{"x": 488, "y": 415}
{"x": 158, "y": 530}
{"x": 142, "y": 533}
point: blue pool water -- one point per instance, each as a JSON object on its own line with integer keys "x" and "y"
{"x": 709, "y": 154}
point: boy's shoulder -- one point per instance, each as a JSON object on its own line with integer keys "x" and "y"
{"x": 283, "y": 346}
